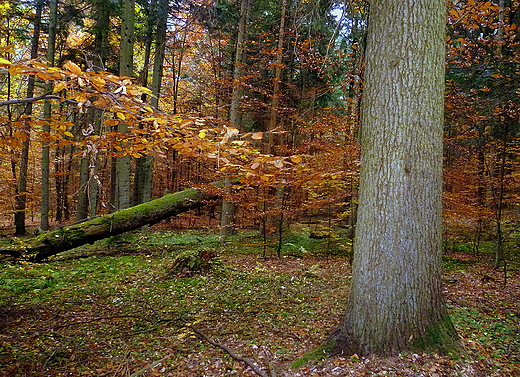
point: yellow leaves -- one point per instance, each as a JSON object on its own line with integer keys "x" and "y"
{"x": 16, "y": 69}
{"x": 4, "y": 62}
{"x": 73, "y": 67}
{"x": 144, "y": 90}
{"x": 81, "y": 97}
{"x": 454, "y": 12}
{"x": 202, "y": 134}
{"x": 266, "y": 177}
{"x": 101, "y": 102}
{"x": 98, "y": 83}
{"x": 121, "y": 116}
{"x": 59, "y": 87}
{"x": 133, "y": 92}
{"x": 9, "y": 49}
{"x": 111, "y": 122}
{"x": 296, "y": 159}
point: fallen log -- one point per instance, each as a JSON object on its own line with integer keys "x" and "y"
{"x": 54, "y": 242}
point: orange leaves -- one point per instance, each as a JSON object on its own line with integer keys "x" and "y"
{"x": 98, "y": 83}
{"x": 87, "y": 88}
{"x": 59, "y": 87}
{"x": 72, "y": 68}
{"x": 153, "y": 132}
{"x": 296, "y": 159}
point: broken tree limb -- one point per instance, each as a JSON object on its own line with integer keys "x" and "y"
{"x": 51, "y": 243}
{"x": 142, "y": 371}
{"x": 228, "y": 350}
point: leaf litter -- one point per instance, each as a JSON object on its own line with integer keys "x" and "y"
{"x": 124, "y": 315}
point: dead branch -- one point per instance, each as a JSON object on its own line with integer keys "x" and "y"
{"x": 150, "y": 366}
{"x": 248, "y": 362}
{"x": 29, "y": 100}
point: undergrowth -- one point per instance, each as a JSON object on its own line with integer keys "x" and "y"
{"x": 112, "y": 308}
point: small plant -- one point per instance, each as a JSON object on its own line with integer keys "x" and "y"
{"x": 193, "y": 261}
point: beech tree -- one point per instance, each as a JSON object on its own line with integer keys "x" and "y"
{"x": 396, "y": 302}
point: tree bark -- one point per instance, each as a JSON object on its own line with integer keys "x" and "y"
{"x": 21, "y": 189}
{"x": 69, "y": 237}
{"x": 228, "y": 210}
{"x": 126, "y": 68}
{"x": 396, "y": 302}
{"x": 144, "y": 164}
{"x": 47, "y": 112}
{"x": 277, "y": 76}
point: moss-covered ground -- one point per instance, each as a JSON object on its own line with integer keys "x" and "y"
{"x": 114, "y": 308}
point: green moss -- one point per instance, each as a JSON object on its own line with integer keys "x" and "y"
{"x": 319, "y": 353}
{"x": 440, "y": 337}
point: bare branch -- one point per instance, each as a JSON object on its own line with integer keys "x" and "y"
{"x": 29, "y": 100}
{"x": 152, "y": 365}
{"x": 248, "y": 362}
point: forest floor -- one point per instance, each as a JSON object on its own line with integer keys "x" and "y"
{"x": 117, "y": 309}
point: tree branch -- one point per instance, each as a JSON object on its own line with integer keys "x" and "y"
{"x": 29, "y": 100}
{"x": 248, "y": 362}
{"x": 150, "y": 366}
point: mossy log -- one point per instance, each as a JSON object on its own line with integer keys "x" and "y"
{"x": 51, "y": 243}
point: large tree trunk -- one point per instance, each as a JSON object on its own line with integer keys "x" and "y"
{"x": 396, "y": 302}
{"x": 69, "y": 237}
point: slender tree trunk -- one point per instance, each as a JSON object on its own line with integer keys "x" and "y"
{"x": 21, "y": 190}
{"x": 144, "y": 164}
{"x": 499, "y": 254}
{"x": 499, "y": 201}
{"x": 101, "y": 42}
{"x": 47, "y": 112}
{"x": 101, "y": 48}
{"x": 227, "y": 217}
{"x": 82, "y": 206}
{"x": 126, "y": 64}
{"x": 396, "y": 302}
{"x": 277, "y": 76}
{"x": 141, "y": 162}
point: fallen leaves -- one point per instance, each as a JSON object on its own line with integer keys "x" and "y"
{"x": 114, "y": 316}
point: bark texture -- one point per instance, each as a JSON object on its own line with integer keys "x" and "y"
{"x": 69, "y": 237}
{"x": 396, "y": 302}
{"x": 126, "y": 68}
